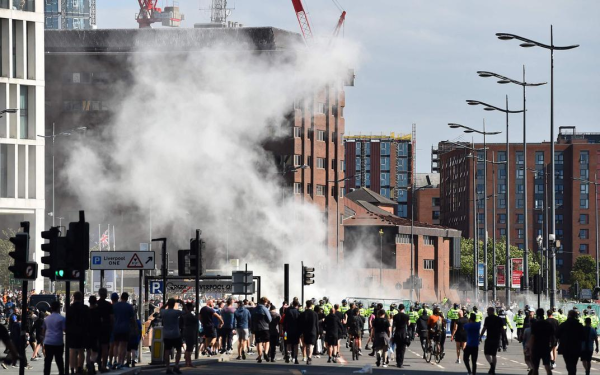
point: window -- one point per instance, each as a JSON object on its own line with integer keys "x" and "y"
{"x": 584, "y": 157}
{"x": 558, "y": 202}
{"x": 297, "y": 188}
{"x": 539, "y": 188}
{"x": 583, "y": 219}
{"x": 428, "y": 264}
{"x": 584, "y": 188}
{"x": 558, "y": 157}
{"x": 559, "y": 174}
{"x": 297, "y": 160}
{"x": 538, "y": 232}
{"x": 502, "y": 232}
{"x": 501, "y": 203}
{"x": 540, "y": 218}
{"x": 583, "y": 234}
{"x": 402, "y": 195}
{"x": 480, "y": 173}
{"x": 560, "y": 188}
{"x": 401, "y": 180}
{"x": 480, "y": 189}
{"x": 521, "y": 246}
{"x": 403, "y": 238}
{"x": 401, "y": 164}
{"x": 320, "y": 163}
{"x": 321, "y": 108}
{"x": 368, "y": 179}
{"x": 385, "y": 192}
{"x": 480, "y": 232}
{"x": 385, "y": 179}
{"x": 358, "y": 148}
{"x": 385, "y": 163}
{"x": 502, "y": 174}
{"x": 559, "y": 233}
{"x": 334, "y": 164}
{"x": 520, "y": 174}
{"x": 435, "y": 215}
{"x": 367, "y": 149}
{"x": 480, "y": 217}
{"x": 435, "y": 201}
{"x": 502, "y": 156}
{"x": 539, "y": 204}
{"x": 309, "y": 160}
{"x": 584, "y": 173}
{"x": 559, "y": 262}
{"x": 402, "y": 149}
{"x": 539, "y": 157}
{"x": 501, "y": 218}
{"x": 584, "y": 203}
{"x": 501, "y": 189}
{"x": 24, "y": 110}
{"x": 520, "y": 232}
{"x": 520, "y": 189}
{"x": 520, "y": 159}
{"x": 321, "y": 190}
{"x": 583, "y": 248}
{"x": 309, "y": 189}
{"x": 520, "y": 218}
{"x": 429, "y": 240}
{"x": 559, "y": 218}
{"x": 520, "y": 203}
{"x": 385, "y": 148}
{"x": 297, "y": 132}
{"x": 320, "y": 135}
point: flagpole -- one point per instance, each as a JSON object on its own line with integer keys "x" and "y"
{"x": 115, "y": 249}
{"x": 99, "y": 249}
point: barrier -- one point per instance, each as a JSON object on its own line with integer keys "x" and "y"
{"x": 157, "y": 348}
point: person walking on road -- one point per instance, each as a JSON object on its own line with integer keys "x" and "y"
{"x": 400, "y": 327}
{"x": 105, "y": 309}
{"x": 261, "y": 317}
{"x": 274, "y": 333}
{"x": 590, "y": 336}
{"x": 291, "y": 325}
{"x": 171, "y": 334}
{"x": 423, "y": 330}
{"x": 124, "y": 324}
{"x": 190, "y": 332}
{"x": 381, "y": 331}
{"x": 54, "y": 327}
{"x": 242, "y": 321}
{"x": 494, "y": 326}
{"x": 459, "y": 335}
{"x": 309, "y": 321}
{"x": 471, "y": 350}
{"x": 570, "y": 339}
{"x": 228, "y": 315}
{"x": 207, "y": 313}
{"x": 540, "y": 343}
{"x": 77, "y": 323}
{"x": 554, "y": 323}
{"x": 333, "y": 330}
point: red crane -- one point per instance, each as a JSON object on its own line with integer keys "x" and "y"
{"x": 150, "y": 13}
{"x": 336, "y": 32}
{"x": 303, "y": 21}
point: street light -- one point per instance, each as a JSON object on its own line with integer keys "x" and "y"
{"x": 65, "y": 133}
{"x": 413, "y": 191}
{"x": 485, "y": 236}
{"x": 527, "y": 43}
{"x": 596, "y": 218}
{"x": 337, "y": 209}
{"x": 524, "y": 84}
{"x": 507, "y": 111}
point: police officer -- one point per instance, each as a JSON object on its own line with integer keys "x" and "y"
{"x": 327, "y": 306}
{"x": 561, "y": 317}
{"x": 583, "y": 317}
{"x": 344, "y": 307}
{"x": 594, "y": 319}
{"x": 478, "y": 314}
{"x": 519, "y": 319}
{"x": 505, "y": 322}
{"x": 413, "y": 315}
{"x": 426, "y": 308}
{"x": 453, "y": 316}
{"x": 392, "y": 311}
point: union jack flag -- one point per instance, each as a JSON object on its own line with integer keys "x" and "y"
{"x": 104, "y": 240}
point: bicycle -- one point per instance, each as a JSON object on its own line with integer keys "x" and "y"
{"x": 433, "y": 351}
{"x": 354, "y": 347}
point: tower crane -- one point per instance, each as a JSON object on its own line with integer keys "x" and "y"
{"x": 151, "y": 13}
{"x": 305, "y": 24}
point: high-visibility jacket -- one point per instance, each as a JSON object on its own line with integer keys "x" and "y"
{"x": 561, "y": 318}
{"x": 327, "y": 307}
{"x": 362, "y": 311}
{"x": 392, "y": 312}
{"x": 453, "y": 314}
{"x": 595, "y": 320}
{"x": 519, "y": 320}
{"x": 413, "y": 316}
{"x": 343, "y": 309}
{"x": 478, "y": 317}
{"x": 429, "y": 312}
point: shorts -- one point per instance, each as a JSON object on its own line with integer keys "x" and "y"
{"x": 243, "y": 333}
{"x": 586, "y": 355}
{"x": 190, "y": 343}
{"x": 261, "y": 336}
{"x": 209, "y": 332}
{"x": 490, "y": 347}
{"x": 75, "y": 342}
{"x": 91, "y": 343}
{"x": 331, "y": 340}
{"x": 544, "y": 357}
{"x": 121, "y": 337}
{"x": 104, "y": 337}
{"x": 353, "y": 332}
{"x": 172, "y": 343}
{"x": 460, "y": 338}
{"x": 132, "y": 346}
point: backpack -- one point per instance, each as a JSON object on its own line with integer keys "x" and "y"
{"x": 439, "y": 325}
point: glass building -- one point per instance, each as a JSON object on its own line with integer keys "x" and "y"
{"x": 70, "y": 14}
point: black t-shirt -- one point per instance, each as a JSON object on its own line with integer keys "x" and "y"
{"x": 105, "y": 309}
{"x": 460, "y": 326}
{"x": 543, "y": 331}
{"x": 494, "y": 327}
{"x": 4, "y": 334}
{"x": 400, "y": 321}
{"x": 554, "y": 323}
{"x": 206, "y": 315}
{"x": 381, "y": 325}
{"x": 77, "y": 319}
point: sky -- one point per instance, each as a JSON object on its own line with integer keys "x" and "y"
{"x": 419, "y": 61}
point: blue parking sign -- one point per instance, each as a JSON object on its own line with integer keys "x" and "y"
{"x": 96, "y": 260}
{"x": 156, "y": 287}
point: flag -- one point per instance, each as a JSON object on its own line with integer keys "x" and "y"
{"x": 104, "y": 241}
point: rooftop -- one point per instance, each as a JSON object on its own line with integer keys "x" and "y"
{"x": 169, "y": 39}
{"x": 369, "y": 196}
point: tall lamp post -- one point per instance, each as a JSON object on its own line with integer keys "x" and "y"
{"x": 467, "y": 129}
{"x": 504, "y": 80}
{"x": 506, "y": 111}
{"x": 595, "y": 183}
{"x": 527, "y": 43}
{"x": 65, "y": 133}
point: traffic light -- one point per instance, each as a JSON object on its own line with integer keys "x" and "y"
{"x": 52, "y": 235}
{"x": 537, "y": 284}
{"x": 196, "y": 259}
{"x": 78, "y": 237}
{"x": 308, "y": 275}
{"x": 22, "y": 269}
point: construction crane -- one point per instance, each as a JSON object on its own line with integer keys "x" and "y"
{"x": 305, "y": 24}
{"x": 151, "y": 13}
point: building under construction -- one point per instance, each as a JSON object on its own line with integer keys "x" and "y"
{"x": 382, "y": 163}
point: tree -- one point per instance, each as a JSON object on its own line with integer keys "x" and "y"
{"x": 466, "y": 257}
{"x": 5, "y": 260}
{"x": 584, "y": 272}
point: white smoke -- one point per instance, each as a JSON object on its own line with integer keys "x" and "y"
{"x": 186, "y": 145}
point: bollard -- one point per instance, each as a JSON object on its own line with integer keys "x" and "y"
{"x": 157, "y": 348}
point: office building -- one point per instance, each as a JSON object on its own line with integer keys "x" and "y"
{"x": 383, "y": 164}
{"x": 70, "y": 14}
{"x": 575, "y": 158}
{"x": 21, "y": 150}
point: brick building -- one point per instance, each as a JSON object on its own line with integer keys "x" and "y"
{"x": 427, "y": 199}
{"x": 383, "y": 164}
{"x": 576, "y": 157}
{"x": 89, "y": 69}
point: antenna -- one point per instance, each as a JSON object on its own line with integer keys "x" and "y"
{"x": 219, "y": 11}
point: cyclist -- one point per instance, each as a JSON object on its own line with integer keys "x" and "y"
{"x": 422, "y": 329}
{"x": 435, "y": 329}
{"x": 354, "y": 326}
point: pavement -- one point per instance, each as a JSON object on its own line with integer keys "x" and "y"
{"x": 509, "y": 363}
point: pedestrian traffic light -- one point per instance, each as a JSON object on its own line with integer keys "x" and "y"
{"x": 22, "y": 269}
{"x": 308, "y": 275}
{"x": 52, "y": 249}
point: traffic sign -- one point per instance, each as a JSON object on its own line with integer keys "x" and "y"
{"x": 187, "y": 286}
{"x": 122, "y": 260}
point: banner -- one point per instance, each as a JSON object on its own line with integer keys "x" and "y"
{"x": 517, "y": 272}
{"x": 500, "y": 276}
{"x": 480, "y": 274}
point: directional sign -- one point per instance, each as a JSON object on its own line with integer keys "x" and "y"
{"x": 187, "y": 286}
{"x": 122, "y": 260}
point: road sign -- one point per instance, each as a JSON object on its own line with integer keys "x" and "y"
{"x": 480, "y": 274}
{"x": 585, "y": 294}
{"x": 122, "y": 260}
{"x": 187, "y": 286}
{"x": 243, "y": 282}
{"x": 109, "y": 285}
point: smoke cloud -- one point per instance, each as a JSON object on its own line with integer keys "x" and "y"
{"x": 186, "y": 146}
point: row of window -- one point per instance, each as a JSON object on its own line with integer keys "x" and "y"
{"x": 24, "y": 5}
{"x": 384, "y": 148}
{"x": 85, "y": 105}
{"x": 583, "y": 218}
{"x": 320, "y": 191}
